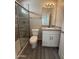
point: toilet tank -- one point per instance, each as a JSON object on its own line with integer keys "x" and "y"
{"x": 35, "y": 32}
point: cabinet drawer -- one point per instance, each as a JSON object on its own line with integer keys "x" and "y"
{"x": 51, "y": 32}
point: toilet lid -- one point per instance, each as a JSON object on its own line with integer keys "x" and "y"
{"x": 33, "y": 39}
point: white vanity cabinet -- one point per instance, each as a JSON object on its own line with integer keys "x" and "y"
{"x": 50, "y": 38}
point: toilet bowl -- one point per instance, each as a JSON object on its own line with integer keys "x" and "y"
{"x": 34, "y": 38}
{"x": 33, "y": 41}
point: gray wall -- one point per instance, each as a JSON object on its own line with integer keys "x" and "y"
{"x": 35, "y": 23}
{"x": 60, "y": 13}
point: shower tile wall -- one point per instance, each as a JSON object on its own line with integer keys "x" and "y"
{"x": 23, "y": 24}
{"x": 23, "y": 31}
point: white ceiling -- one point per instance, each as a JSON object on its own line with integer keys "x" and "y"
{"x": 35, "y": 5}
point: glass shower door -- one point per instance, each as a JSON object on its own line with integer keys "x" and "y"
{"x": 22, "y": 25}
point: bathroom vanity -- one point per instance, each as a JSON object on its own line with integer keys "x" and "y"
{"x": 50, "y": 36}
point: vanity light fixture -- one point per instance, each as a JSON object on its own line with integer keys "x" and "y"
{"x": 49, "y": 5}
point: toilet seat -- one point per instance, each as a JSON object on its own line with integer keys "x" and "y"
{"x": 33, "y": 39}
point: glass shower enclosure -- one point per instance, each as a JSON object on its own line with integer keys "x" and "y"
{"x": 22, "y": 25}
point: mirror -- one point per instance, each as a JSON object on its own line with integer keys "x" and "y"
{"x": 48, "y": 14}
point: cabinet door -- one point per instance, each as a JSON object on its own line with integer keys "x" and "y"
{"x": 53, "y": 40}
{"x": 45, "y": 38}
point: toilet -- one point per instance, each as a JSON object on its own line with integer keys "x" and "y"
{"x": 34, "y": 38}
